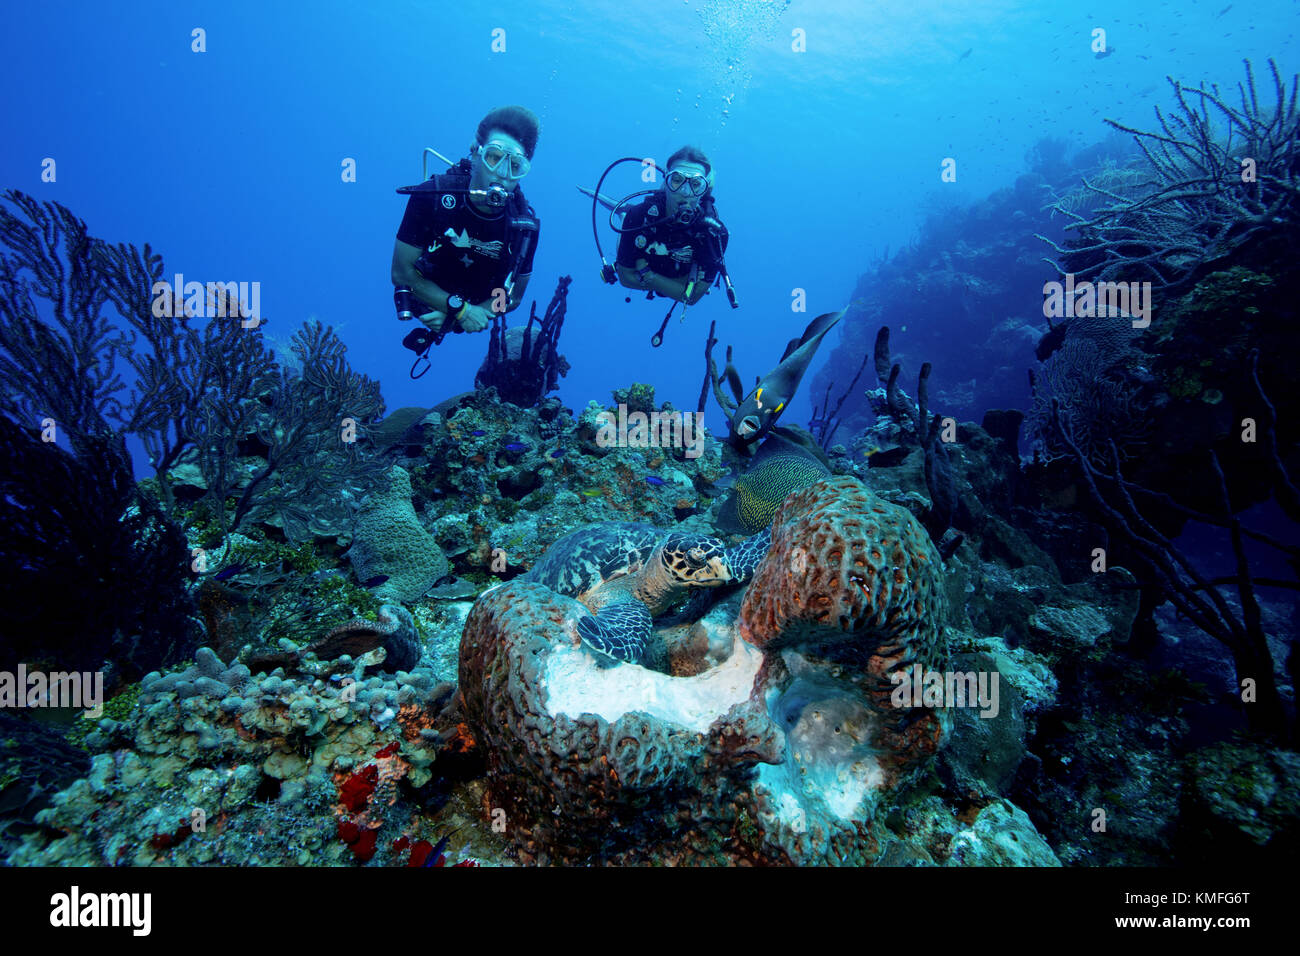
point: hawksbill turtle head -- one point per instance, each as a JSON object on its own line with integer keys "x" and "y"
{"x": 695, "y": 560}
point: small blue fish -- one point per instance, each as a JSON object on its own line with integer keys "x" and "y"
{"x": 225, "y": 574}
{"x": 558, "y": 453}
{"x": 436, "y": 853}
{"x": 374, "y": 582}
{"x": 478, "y": 433}
{"x": 654, "y": 481}
{"x": 516, "y": 446}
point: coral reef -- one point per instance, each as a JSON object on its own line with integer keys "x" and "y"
{"x": 599, "y": 762}
{"x": 91, "y": 569}
{"x": 1210, "y": 190}
{"x": 218, "y": 765}
{"x": 1095, "y": 377}
{"x": 309, "y": 423}
{"x": 754, "y": 748}
{"x": 36, "y": 762}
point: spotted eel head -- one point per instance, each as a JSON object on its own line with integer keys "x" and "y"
{"x": 695, "y": 560}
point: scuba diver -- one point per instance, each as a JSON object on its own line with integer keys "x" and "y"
{"x": 464, "y": 250}
{"x": 672, "y": 242}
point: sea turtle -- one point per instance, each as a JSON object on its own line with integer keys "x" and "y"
{"x": 626, "y": 574}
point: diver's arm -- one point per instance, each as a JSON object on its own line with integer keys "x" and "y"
{"x": 517, "y": 291}
{"x": 699, "y": 292}
{"x": 658, "y": 284}
{"x": 404, "y": 274}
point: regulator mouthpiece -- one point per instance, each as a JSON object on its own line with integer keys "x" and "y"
{"x": 495, "y": 195}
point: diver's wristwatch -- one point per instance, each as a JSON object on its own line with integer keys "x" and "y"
{"x": 454, "y": 305}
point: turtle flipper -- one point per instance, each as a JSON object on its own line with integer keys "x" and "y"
{"x": 619, "y": 630}
{"x": 744, "y": 558}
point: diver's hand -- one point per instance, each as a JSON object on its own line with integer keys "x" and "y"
{"x": 475, "y": 318}
{"x": 433, "y": 320}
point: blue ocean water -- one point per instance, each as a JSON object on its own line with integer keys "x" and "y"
{"x": 229, "y": 161}
{"x": 898, "y": 158}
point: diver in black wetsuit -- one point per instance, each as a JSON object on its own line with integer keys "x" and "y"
{"x": 465, "y": 247}
{"x": 672, "y": 242}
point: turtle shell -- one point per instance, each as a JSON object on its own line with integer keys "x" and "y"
{"x": 576, "y": 563}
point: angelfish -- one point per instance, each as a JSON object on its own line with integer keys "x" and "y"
{"x": 756, "y": 415}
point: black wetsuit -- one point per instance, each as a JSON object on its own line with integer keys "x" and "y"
{"x": 466, "y": 253}
{"x": 657, "y": 244}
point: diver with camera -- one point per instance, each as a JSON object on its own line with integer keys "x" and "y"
{"x": 671, "y": 242}
{"x": 465, "y": 247}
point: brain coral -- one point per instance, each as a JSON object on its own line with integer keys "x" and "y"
{"x": 389, "y": 540}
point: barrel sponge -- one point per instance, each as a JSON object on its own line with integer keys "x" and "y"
{"x": 389, "y": 540}
{"x": 847, "y": 566}
{"x": 585, "y": 756}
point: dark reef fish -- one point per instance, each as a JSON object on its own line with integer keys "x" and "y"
{"x": 558, "y": 453}
{"x": 478, "y": 433}
{"x": 516, "y": 446}
{"x": 757, "y": 414}
{"x": 436, "y": 855}
{"x": 225, "y": 574}
{"x": 374, "y": 582}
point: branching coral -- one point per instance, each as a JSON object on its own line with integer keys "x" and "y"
{"x": 1099, "y": 401}
{"x": 1179, "y": 579}
{"x": 1219, "y": 176}
{"x": 92, "y": 566}
{"x": 310, "y": 423}
{"x": 205, "y": 388}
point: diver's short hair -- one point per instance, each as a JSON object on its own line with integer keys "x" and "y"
{"x": 519, "y": 121}
{"x": 691, "y": 154}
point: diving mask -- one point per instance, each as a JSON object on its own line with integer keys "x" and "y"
{"x": 695, "y": 184}
{"x": 516, "y": 164}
